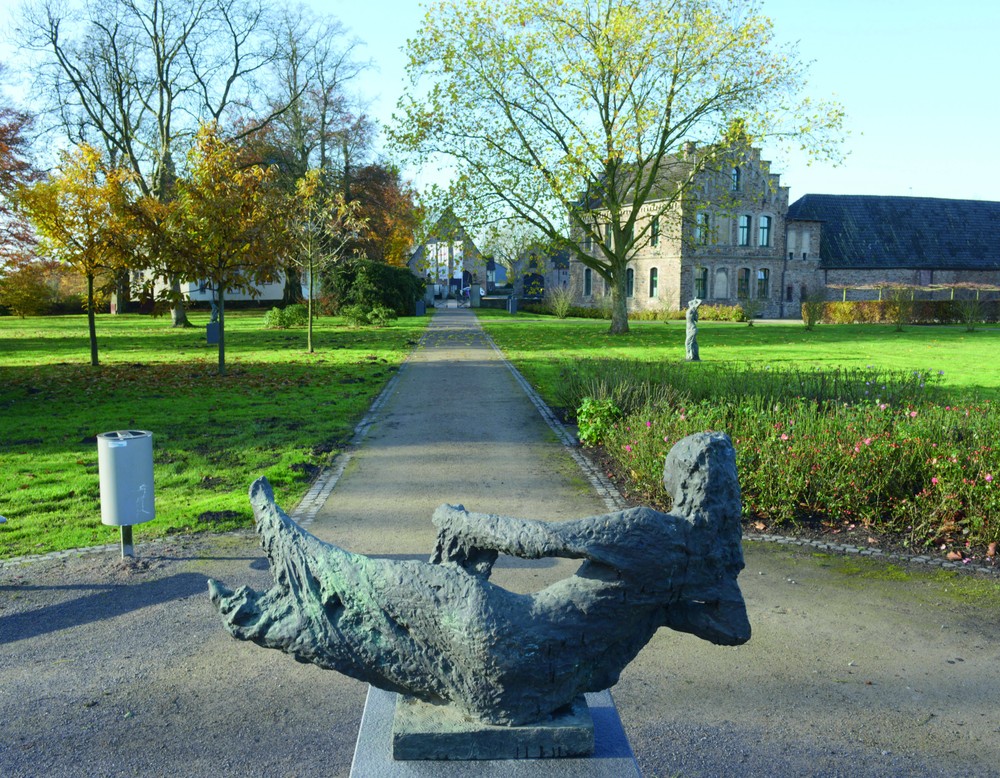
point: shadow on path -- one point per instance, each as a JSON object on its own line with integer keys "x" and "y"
{"x": 107, "y": 602}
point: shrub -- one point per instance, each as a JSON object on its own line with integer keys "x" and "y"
{"x": 726, "y": 312}
{"x": 868, "y": 447}
{"x": 812, "y": 310}
{"x": 26, "y": 289}
{"x": 559, "y": 301}
{"x": 363, "y": 316}
{"x": 928, "y": 472}
{"x": 296, "y": 315}
{"x": 632, "y": 384}
{"x": 366, "y": 283}
{"x": 970, "y": 312}
{"x": 750, "y": 307}
{"x": 595, "y": 419}
{"x": 899, "y": 306}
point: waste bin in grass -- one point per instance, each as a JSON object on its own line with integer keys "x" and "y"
{"x": 125, "y": 464}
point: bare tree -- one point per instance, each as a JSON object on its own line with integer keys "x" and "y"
{"x": 136, "y": 76}
{"x": 318, "y": 125}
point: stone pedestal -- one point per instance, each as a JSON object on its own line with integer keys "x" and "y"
{"x": 612, "y": 756}
{"x": 423, "y": 730}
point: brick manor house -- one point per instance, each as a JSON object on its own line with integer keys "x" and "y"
{"x": 754, "y": 246}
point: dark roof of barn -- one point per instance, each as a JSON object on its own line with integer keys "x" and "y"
{"x": 903, "y": 232}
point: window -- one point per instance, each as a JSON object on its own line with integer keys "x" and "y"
{"x": 629, "y": 282}
{"x": 805, "y": 255}
{"x": 701, "y": 282}
{"x": 588, "y": 243}
{"x": 654, "y": 232}
{"x": 803, "y": 292}
{"x": 588, "y": 282}
{"x": 743, "y": 283}
{"x": 763, "y": 284}
{"x": 744, "y": 237}
{"x": 654, "y": 282}
{"x": 720, "y": 289}
{"x": 607, "y": 235}
{"x": 791, "y": 255}
{"x": 765, "y": 231}
{"x": 788, "y": 293}
{"x": 735, "y": 179}
{"x": 701, "y": 229}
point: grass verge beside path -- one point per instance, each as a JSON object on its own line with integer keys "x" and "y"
{"x": 279, "y": 411}
{"x": 874, "y": 436}
{"x": 542, "y": 346}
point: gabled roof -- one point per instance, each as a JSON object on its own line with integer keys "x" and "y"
{"x": 447, "y": 229}
{"x": 903, "y": 232}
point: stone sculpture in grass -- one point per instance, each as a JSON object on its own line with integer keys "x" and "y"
{"x": 441, "y": 631}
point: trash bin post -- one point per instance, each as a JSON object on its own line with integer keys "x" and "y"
{"x": 125, "y": 464}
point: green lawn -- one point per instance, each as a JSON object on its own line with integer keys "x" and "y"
{"x": 893, "y": 435}
{"x": 279, "y": 412}
{"x": 541, "y": 346}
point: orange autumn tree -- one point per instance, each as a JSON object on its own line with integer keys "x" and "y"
{"x": 390, "y": 206}
{"x": 227, "y": 222}
{"x": 81, "y": 217}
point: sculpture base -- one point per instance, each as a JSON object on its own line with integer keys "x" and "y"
{"x": 424, "y": 730}
{"x": 612, "y": 757}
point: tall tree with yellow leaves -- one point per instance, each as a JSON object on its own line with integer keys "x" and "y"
{"x": 227, "y": 224}
{"x": 80, "y": 215}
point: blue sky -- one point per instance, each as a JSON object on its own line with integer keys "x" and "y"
{"x": 918, "y": 80}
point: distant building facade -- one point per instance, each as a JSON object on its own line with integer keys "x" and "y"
{"x": 736, "y": 240}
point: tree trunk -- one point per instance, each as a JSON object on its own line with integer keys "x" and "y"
{"x": 292, "y": 293}
{"x": 619, "y": 302}
{"x": 312, "y": 294}
{"x": 178, "y": 316}
{"x": 91, "y": 320}
{"x": 222, "y": 330}
{"x": 123, "y": 291}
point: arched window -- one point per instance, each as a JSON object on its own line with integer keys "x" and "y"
{"x": 654, "y": 282}
{"x": 629, "y": 282}
{"x": 654, "y": 232}
{"x": 736, "y": 179}
{"x": 743, "y": 283}
{"x": 588, "y": 282}
{"x": 744, "y": 237}
{"x": 763, "y": 284}
{"x": 720, "y": 290}
{"x": 701, "y": 282}
{"x": 765, "y": 231}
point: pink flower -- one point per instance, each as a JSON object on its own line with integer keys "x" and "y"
{"x": 934, "y": 481}
{"x": 784, "y": 436}
{"x": 988, "y": 477}
{"x": 649, "y": 424}
{"x": 913, "y": 414}
{"x": 868, "y": 441}
{"x": 882, "y": 407}
{"x": 629, "y": 449}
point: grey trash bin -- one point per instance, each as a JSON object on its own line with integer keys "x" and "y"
{"x": 125, "y": 464}
{"x": 420, "y": 308}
